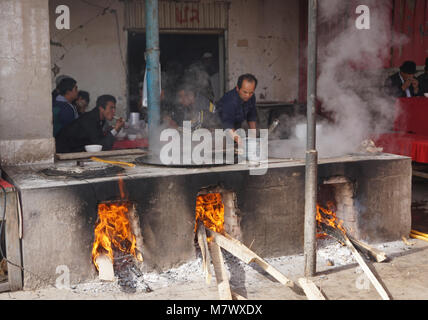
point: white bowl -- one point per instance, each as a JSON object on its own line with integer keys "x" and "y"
{"x": 426, "y": 95}
{"x": 93, "y": 148}
{"x": 132, "y": 137}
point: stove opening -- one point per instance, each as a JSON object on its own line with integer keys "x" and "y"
{"x": 216, "y": 208}
{"x": 117, "y": 237}
{"x": 336, "y": 200}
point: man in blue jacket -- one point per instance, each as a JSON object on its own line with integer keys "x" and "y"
{"x": 64, "y": 112}
{"x": 239, "y": 105}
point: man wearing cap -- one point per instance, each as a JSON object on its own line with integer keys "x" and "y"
{"x": 403, "y": 83}
{"x": 423, "y": 80}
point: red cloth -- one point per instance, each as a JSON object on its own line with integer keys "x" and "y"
{"x": 130, "y": 144}
{"x": 412, "y": 115}
{"x": 405, "y": 144}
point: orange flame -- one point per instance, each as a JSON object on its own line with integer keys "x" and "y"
{"x": 113, "y": 229}
{"x": 210, "y": 211}
{"x": 328, "y": 217}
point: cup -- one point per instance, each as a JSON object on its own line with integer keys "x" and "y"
{"x": 135, "y": 118}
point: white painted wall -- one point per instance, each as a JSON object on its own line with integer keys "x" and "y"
{"x": 91, "y": 54}
{"x": 263, "y": 40}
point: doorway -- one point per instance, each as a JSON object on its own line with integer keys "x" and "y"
{"x": 178, "y": 51}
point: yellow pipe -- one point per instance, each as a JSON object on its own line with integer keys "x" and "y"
{"x": 418, "y": 237}
{"x": 419, "y": 233}
{"x": 113, "y": 162}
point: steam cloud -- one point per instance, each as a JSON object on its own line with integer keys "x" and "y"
{"x": 350, "y": 79}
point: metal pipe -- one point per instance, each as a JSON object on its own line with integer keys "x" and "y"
{"x": 311, "y": 152}
{"x": 152, "y": 67}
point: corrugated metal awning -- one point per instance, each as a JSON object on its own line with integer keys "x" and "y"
{"x": 180, "y": 15}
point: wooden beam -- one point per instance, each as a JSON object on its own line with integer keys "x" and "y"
{"x": 237, "y": 296}
{"x": 4, "y": 286}
{"x": 367, "y": 270}
{"x": 87, "y": 155}
{"x": 246, "y": 255}
{"x": 311, "y": 290}
{"x": 220, "y": 272}
{"x": 206, "y": 257}
{"x": 341, "y": 237}
{"x": 377, "y": 255}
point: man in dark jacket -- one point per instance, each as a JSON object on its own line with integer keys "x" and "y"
{"x": 423, "y": 80}
{"x": 403, "y": 83}
{"x": 239, "y": 105}
{"x": 63, "y": 110}
{"x": 88, "y": 129}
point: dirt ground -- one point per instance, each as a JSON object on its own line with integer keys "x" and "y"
{"x": 404, "y": 276}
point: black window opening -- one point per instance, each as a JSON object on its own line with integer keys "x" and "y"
{"x": 177, "y": 52}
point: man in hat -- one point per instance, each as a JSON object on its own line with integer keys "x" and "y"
{"x": 423, "y": 80}
{"x": 403, "y": 83}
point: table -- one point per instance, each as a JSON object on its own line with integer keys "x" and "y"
{"x": 412, "y": 115}
{"x": 130, "y": 144}
{"x": 405, "y": 144}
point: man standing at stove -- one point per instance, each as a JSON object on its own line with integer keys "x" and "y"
{"x": 89, "y": 128}
{"x": 238, "y": 105}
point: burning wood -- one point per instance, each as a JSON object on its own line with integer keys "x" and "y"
{"x": 113, "y": 231}
{"x": 210, "y": 211}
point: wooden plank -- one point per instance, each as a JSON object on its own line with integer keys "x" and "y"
{"x": 206, "y": 257}
{"x": 4, "y": 286}
{"x": 246, "y": 255}
{"x": 366, "y": 269}
{"x": 13, "y": 243}
{"x": 220, "y": 272}
{"x": 105, "y": 268}
{"x": 86, "y": 155}
{"x": 377, "y": 255}
{"x": 237, "y": 296}
{"x": 311, "y": 290}
{"x": 420, "y": 174}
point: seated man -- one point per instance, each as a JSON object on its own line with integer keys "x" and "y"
{"x": 238, "y": 105}
{"x": 88, "y": 129}
{"x": 192, "y": 107}
{"x": 82, "y": 102}
{"x": 63, "y": 110}
{"x": 423, "y": 80}
{"x": 403, "y": 83}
